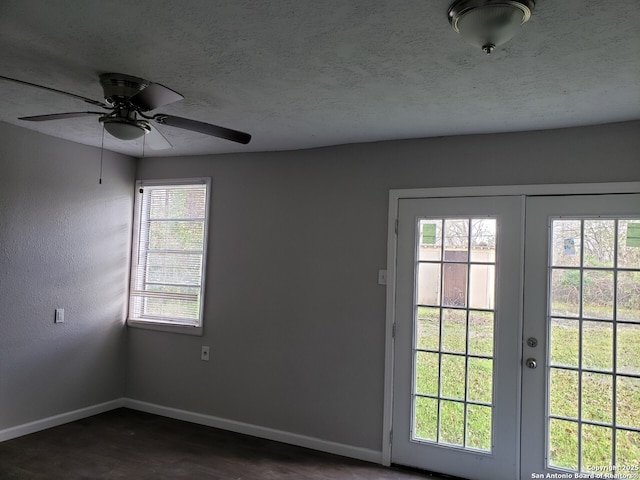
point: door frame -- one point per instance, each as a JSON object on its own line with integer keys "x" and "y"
{"x": 446, "y": 192}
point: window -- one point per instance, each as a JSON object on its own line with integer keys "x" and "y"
{"x": 169, "y": 255}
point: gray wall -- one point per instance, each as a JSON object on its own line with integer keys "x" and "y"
{"x": 64, "y": 242}
{"x": 293, "y": 314}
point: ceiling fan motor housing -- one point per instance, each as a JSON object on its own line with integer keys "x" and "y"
{"x": 119, "y": 87}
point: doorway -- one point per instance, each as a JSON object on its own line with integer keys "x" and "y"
{"x": 477, "y": 323}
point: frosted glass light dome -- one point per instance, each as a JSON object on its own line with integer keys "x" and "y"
{"x": 489, "y": 23}
{"x": 125, "y": 129}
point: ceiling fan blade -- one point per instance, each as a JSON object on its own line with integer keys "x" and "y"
{"x": 206, "y": 128}
{"x": 156, "y": 140}
{"x": 59, "y": 116}
{"x": 85, "y": 99}
{"x": 154, "y": 96}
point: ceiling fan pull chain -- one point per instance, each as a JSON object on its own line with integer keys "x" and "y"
{"x": 101, "y": 155}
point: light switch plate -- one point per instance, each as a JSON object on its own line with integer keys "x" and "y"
{"x": 204, "y": 353}
{"x": 59, "y": 318}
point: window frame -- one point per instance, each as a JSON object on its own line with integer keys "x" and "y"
{"x": 159, "y": 324}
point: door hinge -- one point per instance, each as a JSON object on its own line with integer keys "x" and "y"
{"x": 390, "y": 436}
{"x": 393, "y": 331}
{"x": 396, "y": 226}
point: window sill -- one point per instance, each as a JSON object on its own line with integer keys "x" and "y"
{"x": 165, "y": 327}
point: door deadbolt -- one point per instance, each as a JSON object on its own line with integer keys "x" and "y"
{"x": 532, "y": 342}
{"x": 532, "y": 363}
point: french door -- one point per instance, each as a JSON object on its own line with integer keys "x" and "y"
{"x": 457, "y": 366}
{"x": 581, "y": 404}
{"x": 517, "y": 332}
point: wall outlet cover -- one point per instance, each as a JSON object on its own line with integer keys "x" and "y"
{"x": 204, "y": 353}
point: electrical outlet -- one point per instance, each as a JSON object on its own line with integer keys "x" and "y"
{"x": 204, "y": 353}
{"x": 59, "y": 318}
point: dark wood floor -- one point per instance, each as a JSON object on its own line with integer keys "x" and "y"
{"x": 127, "y": 444}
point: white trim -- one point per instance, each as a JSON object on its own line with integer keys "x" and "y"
{"x": 528, "y": 190}
{"x": 472, "y": 191}
{"x": 257, "y": 431}
{"x": 173, "y": 181}
{"x": 166, "y": 327}
{"x": 313, "y": 443}
{"x": 387, "y": 421}
{"x": 61, "y": 419}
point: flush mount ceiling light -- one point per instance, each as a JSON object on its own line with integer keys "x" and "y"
{"x": 489, "y": 23}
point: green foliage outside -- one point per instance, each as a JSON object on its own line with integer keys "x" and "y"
{"x": 175, "y": 236}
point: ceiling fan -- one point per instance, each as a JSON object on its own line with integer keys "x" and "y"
{"x": 127, "y": 100}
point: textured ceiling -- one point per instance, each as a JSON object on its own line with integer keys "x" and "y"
{"x": 308, "y": 73}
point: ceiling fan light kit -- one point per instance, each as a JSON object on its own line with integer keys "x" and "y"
{"x": 488, "y": 24}
{"x": 125, "y": 129}
{"x": 126, "y": 101}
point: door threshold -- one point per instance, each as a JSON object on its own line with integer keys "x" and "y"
{"x": 429, "y": 474}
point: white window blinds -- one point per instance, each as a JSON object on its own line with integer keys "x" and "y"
{"x": 168, "y": 258}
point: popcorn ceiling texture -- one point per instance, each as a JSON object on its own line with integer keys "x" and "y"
{"x": 302, "y": 73}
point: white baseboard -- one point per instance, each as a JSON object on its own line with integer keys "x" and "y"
{"x": 54, "y": 421}
{"x": 198, "y": 418}
{"x": 257, "y": 431}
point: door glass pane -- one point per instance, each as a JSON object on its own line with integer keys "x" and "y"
{"x": 594, "y": 335}
{"x": 597, "y": 345}
{"x": 479, "y": 427}
{"x": 596, "y": 447}
{"x": 456, "y": 239}
{"x": 428, "y": 328}
{"x": 454, "y": 325}
{"x": 564, "y": 382}
{"x": 628, "y": 393}
{"x": 451, "y": 373}
{"x": 428, "y": 284}
{"x": 454, "y": 344}
{"x": 563, "y": 444}
{"x": 565, "y": 342}
{"x": 482, "y": 279}
{"x": 598, "y": 243}
{"x": 629, "y": 243}
{"x": 454, "y": 285}
{"x": 483, "y": 240}
{"x": 480, "y": 333}
{"x": 479, "y": 376}
{"x": 627, "y": 342}
{"x": 565, "y": 292}
{"x": 628, "y": 296}
{"x": 566, "y": 243}
{"x": 597, "y": 397}
{"x": 426, "y": 418}
{"x": 430, "y": 241}
{"x": 427, "y": 374}
{"x": 597, "y": 294}
{"x": 628, "y": 449}
{"x": 451, "y": 426}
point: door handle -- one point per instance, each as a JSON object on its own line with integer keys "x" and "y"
{"x": 531, "y": 363}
